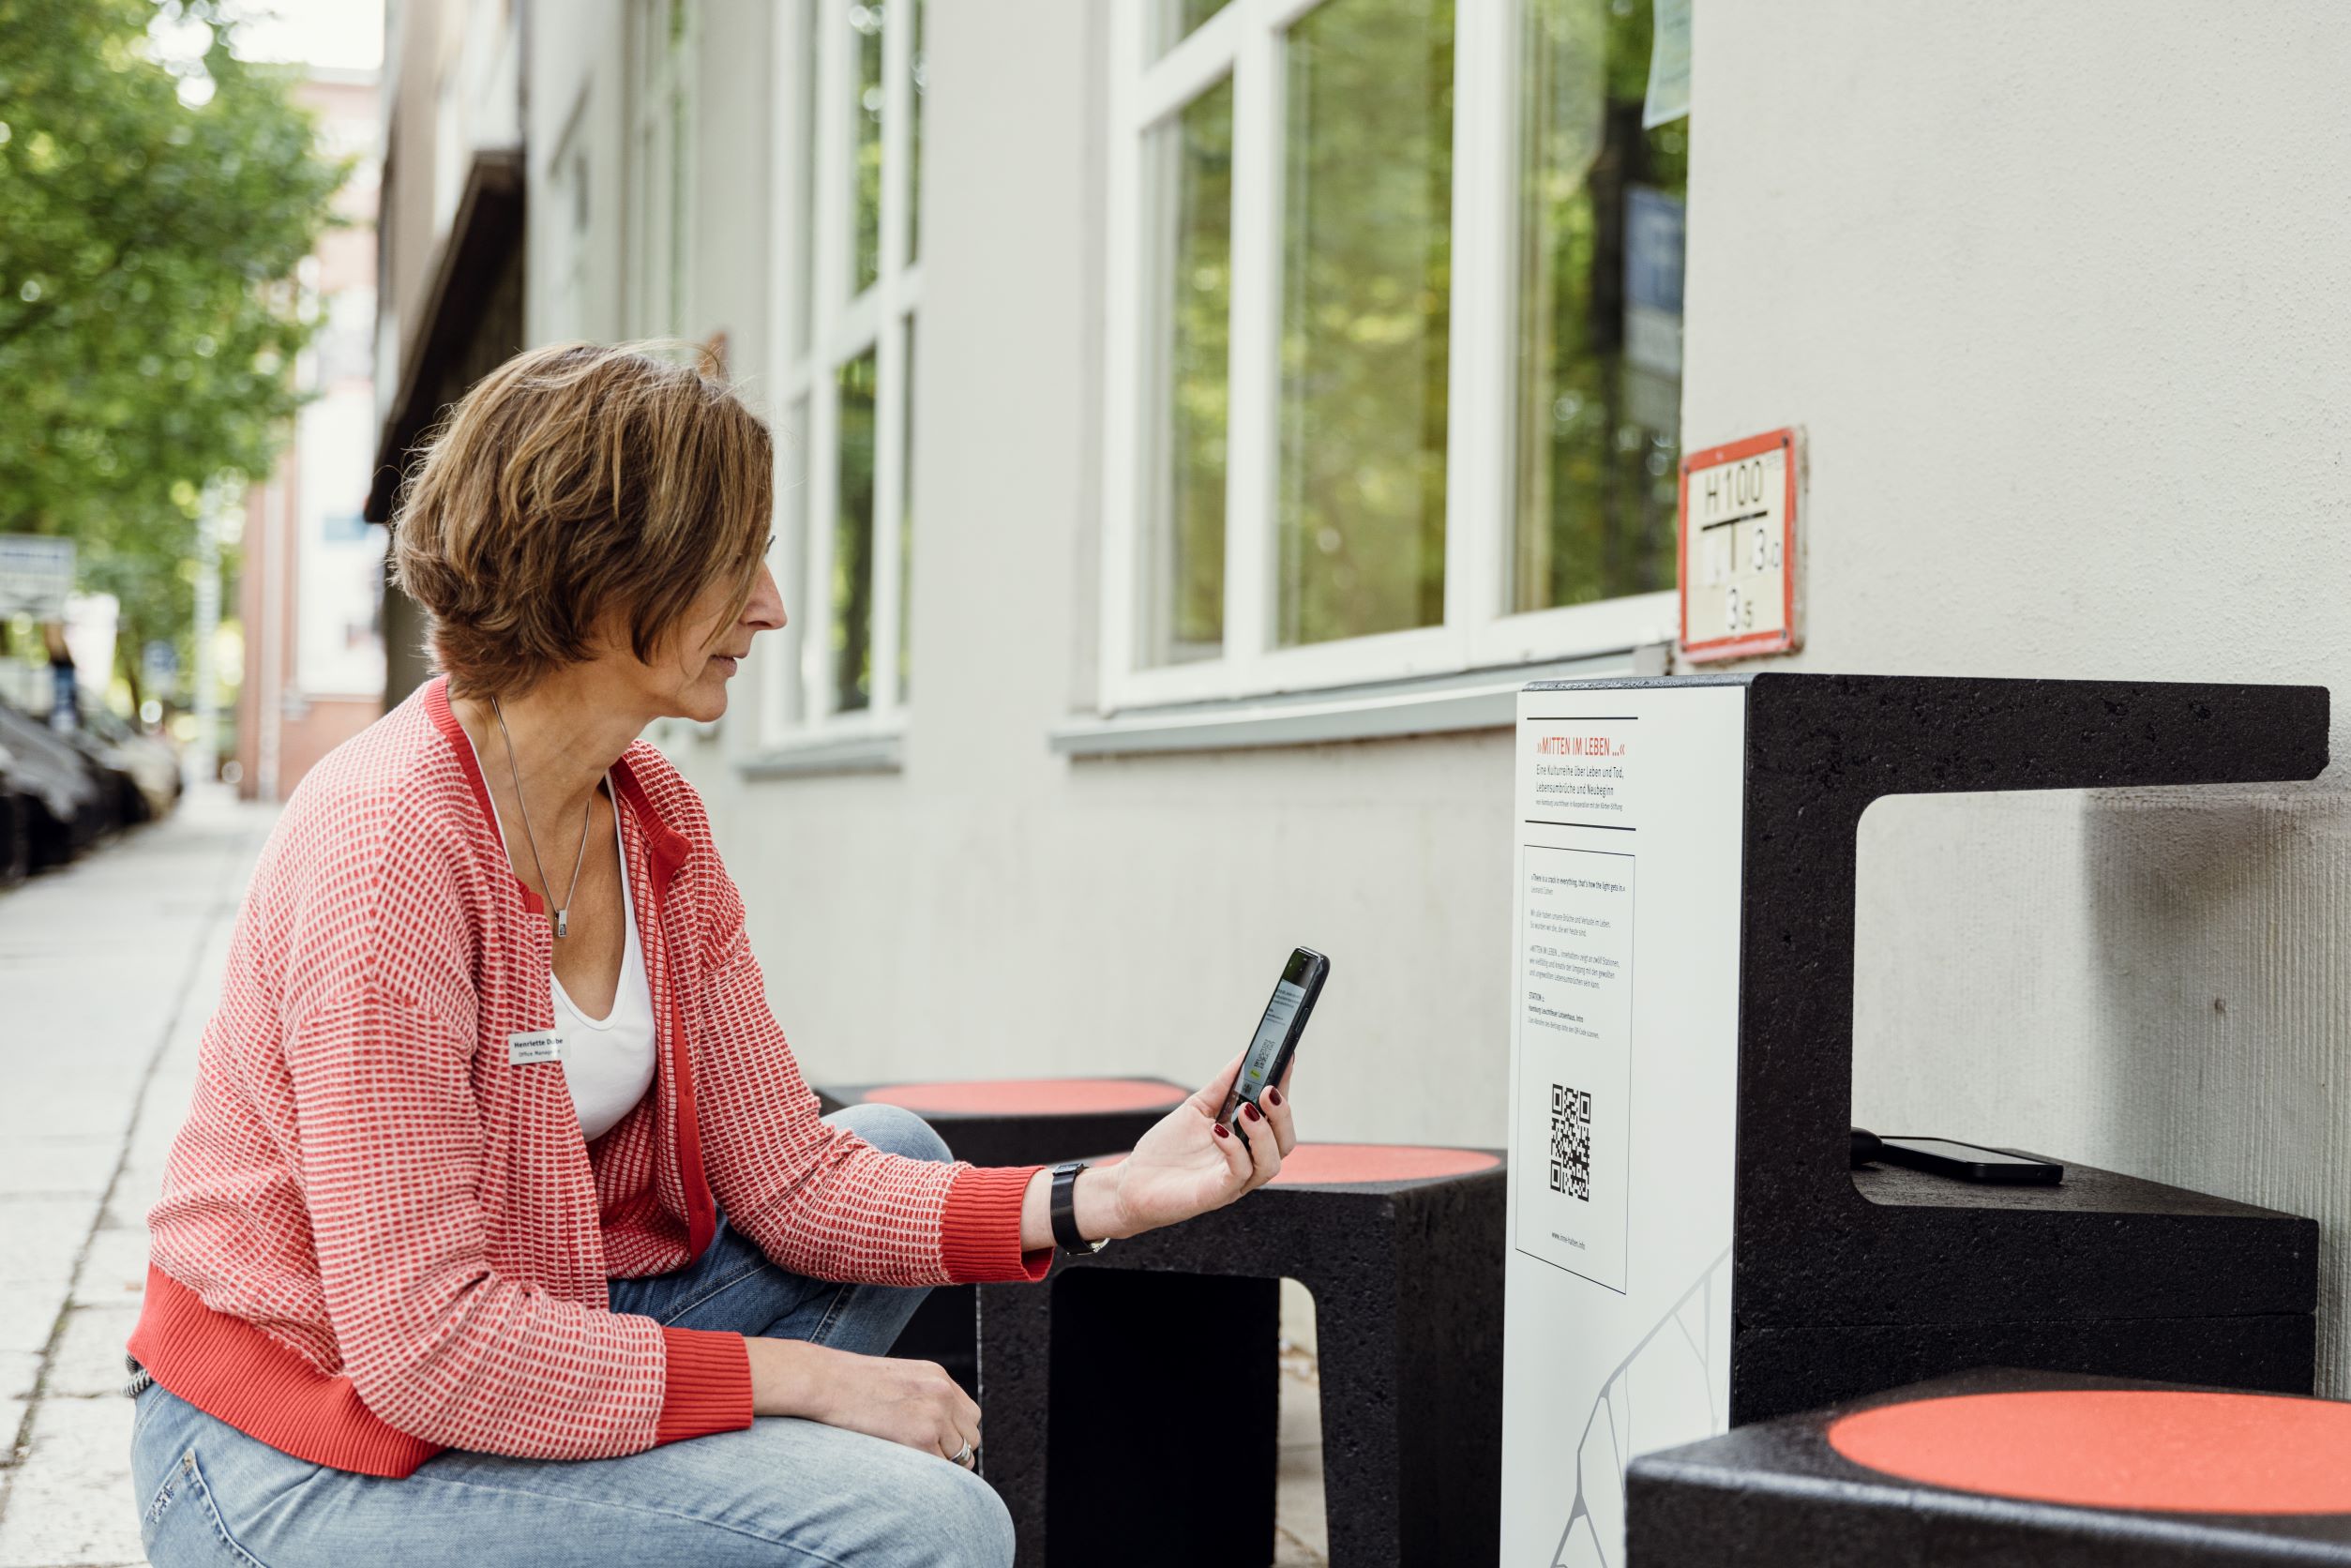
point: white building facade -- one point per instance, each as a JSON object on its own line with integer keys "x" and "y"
{"x": 1194, "y": 422}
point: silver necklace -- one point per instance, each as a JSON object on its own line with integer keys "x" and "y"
{"x": 562, "y": 917}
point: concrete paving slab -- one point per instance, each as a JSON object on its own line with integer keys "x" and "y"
{"x": 134, "y": 1194}
{"x": 168, "y": 1096}
{"x": 28, "y": 1313}
{"x": 77, "y": 1098}
{"x": 115, "y": 1271}
{"x": 70, "y": 1502}
{"x": 44, "y": 1234}
{"x": 33, "y": 1164}
{"x": 88, "y": 1361}
{"x": 12, "y": 1410}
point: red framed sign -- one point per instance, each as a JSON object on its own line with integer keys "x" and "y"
{"x": 1738, "y": 549}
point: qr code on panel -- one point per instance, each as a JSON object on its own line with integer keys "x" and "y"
{"x": 1571, "y": 1141}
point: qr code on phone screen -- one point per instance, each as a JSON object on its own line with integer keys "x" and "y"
{"x": 1571, "y": 1141}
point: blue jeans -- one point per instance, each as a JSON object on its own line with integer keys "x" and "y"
{"x": 784, "y": 1492}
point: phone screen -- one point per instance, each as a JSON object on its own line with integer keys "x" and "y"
{"x": 1967, "y": 1153}
{"x": 1272, "y": 1029}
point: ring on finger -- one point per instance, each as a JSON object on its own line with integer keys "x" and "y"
{"x": 965, "y": 1456}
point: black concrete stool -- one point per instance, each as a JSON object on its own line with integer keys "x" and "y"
{"x": 1007, "y": 1122}
{"x": 1131, "y": 1401}
{"x": 2005, "y": 1468}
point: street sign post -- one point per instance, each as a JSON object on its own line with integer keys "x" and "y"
{"x": 36, "y": 575}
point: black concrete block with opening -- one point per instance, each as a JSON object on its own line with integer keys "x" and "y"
{"x": 1846, "y": 1283}
{"x": 1997, "y": 1467}
{"x": 1131, "y": 1400}
{"x": 1007, "y": 1122}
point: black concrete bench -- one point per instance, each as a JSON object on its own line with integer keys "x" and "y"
{"x": 1852, "y": 1282}
{"x": 1007, "y": 1122}
{"x": 1132, "y": 1400}
{"x": 2002, "y": 1467}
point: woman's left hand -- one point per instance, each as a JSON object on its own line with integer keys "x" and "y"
{"x": 1189, "y": 1163}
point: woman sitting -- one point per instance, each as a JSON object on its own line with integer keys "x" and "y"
{"x": 502, "y": 1227}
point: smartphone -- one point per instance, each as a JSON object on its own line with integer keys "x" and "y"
{"x": 1277, "y": 1033}
{"x": 1969, "y": 1162}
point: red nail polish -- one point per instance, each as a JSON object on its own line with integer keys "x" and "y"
{"x": 1222, "y": 1131}
{"x": 1272, "y": 1096}
{"x": 1250, "y": 1112}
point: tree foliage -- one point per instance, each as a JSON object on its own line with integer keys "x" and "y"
{"x": 1366, "y": 321}
{"x": 153, "y": 212}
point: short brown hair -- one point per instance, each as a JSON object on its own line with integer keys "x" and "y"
{"x": 570, "y": 481}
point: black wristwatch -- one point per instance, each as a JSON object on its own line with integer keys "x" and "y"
{"x": 1064, "y": 1209}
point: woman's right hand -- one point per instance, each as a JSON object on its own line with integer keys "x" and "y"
{"x": 910, "y": 1402}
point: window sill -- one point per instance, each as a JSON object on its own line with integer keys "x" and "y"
{"x": 1478, "y": 700}
{"x": 817, "y": 753}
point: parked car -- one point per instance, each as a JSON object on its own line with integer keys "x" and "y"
{"x": 16, "y": 827}
{"x": 72, "y": 799}
{"x": 152, "y": 768}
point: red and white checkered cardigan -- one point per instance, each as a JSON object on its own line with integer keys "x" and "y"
{"x": 379, "y": 1237}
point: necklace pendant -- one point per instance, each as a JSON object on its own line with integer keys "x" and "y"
{"x": 563, "y": 922}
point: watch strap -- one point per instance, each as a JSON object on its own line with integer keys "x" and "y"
{"x": 1063, "y": 1208}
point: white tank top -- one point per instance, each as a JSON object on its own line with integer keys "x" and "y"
{"x": 607, "y": 1061}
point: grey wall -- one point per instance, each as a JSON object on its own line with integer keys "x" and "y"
{"x": 2057, "y": 295}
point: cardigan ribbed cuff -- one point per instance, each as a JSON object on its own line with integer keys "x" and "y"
{"x": 979, "y": 1241}
{"x": 709, "y": 1385}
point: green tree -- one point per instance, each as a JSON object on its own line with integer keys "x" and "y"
{"x": 154, "y": 206}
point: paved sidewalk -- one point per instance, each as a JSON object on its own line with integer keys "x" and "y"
{"x": 108, "y": 970}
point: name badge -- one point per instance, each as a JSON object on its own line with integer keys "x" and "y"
{"x": 539, "y": 1045}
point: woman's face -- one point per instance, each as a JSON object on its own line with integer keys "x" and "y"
{"x": 687, "y": 677}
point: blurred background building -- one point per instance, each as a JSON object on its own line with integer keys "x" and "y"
{"x": 1194, "y": 421}
{"x": 451, "y": 262}
{"x": 308, "y": 597}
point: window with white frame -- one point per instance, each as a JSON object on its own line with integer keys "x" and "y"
{"x": 567, "y": 278}
{"x": 851, "y": 87}
{"x": 1394, "y": 343}
{"x": 661, "y": 163}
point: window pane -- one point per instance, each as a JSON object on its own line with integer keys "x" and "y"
{"x": 779, "y": 707}
{"x": 1599, "y": 312}
{"x": 1191, "y": 167}
{"x": 681, "y": 177}
{"x": 917, "y": 68}
{"x": 803, "y": 189}
{"x": 1366, "y": 247}
{"x": 906, "y": 522}
{"x": 852, "y": 539}
{"x": 864, "y": 111}
{"x": 1172, "y": 21}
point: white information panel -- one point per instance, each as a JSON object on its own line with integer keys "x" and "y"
{"x": 1623, "y": 1061}
{"x": 1576, "y": 1056}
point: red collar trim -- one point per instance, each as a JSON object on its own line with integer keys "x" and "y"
{"x": 665, "y": 843}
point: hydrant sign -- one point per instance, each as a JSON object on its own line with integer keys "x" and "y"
{"x": 1738, "y": 549}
